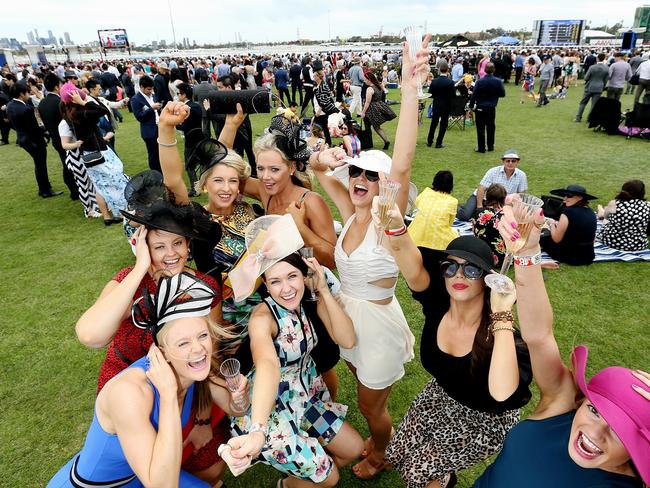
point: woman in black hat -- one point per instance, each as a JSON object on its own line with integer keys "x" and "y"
{"x": 571, "y": 238}
{"x": 480, "y": 365}
{"x": 162, "y": 247}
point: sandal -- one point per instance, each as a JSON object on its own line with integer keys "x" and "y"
{"x": 280, "y": 483}
{"x": 368, "y": 445}
{"x": 367, "y": 469}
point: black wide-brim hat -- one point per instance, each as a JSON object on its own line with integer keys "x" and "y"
{"x": 470, "y": 248}
{"x": 183, "y": 220}
{"x": 573, "y": 190}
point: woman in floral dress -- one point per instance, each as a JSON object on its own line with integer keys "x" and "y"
{"x": 292, "y": 424}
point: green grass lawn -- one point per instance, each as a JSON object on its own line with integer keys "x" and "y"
{"x": 55, "y": 262}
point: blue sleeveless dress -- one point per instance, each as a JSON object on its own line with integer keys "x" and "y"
{"x": 101, "y": 462}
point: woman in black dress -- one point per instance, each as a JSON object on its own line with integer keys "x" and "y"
{"x": 571, "y": 239}
{"x": 375, "y": 110}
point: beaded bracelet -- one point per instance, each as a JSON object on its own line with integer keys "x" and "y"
{"x": 396, "y": 232}
{"x": 528, "y": 260}
{"x": 198, "y": 421}
{"x": 501, "y": 317}
{"x": 164, "y": 144}
{"x": 494, "y": 328}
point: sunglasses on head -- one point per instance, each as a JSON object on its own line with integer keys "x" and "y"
{"x": 355, "y": 171}
{"x": 450, "y": 267}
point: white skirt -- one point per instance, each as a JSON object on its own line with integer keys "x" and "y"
{"x": 384, "y": 341}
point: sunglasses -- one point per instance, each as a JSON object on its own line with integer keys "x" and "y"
{"x": 355, "y": 171}
{"x": 449, "y": 269}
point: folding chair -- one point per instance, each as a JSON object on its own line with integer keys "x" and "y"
{"x": 457, "y": 113}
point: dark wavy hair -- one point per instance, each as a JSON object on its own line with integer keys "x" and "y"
{"x": 632, "y": 190}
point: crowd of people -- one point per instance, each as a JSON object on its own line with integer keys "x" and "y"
{"x": 263, "y": 291}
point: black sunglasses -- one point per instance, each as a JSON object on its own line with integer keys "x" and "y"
{"x": 450, "y": 267}
{"x": 355, "y": 171}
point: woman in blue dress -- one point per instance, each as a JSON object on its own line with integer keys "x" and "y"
{"x": 135, "y": 438}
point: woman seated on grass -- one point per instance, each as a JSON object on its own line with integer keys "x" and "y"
{"x": 480, "y": 365}
{"x": 571, "y": 238}
{"x": 136, "y": 435}
{"x": 431, "y": 226}
{"x": 292, "y": 424}
{"x": 581, "y": 434}
{"x": 485, "y": 222}
{"x": 627, "y": 219}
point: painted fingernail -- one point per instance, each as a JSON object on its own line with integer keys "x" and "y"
{"x": 516, "y": 235}
{"x": 513, "y": 225}
{"x": 541, "y": 212}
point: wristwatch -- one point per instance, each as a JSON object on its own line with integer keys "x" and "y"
{"x": 260, "y": 428}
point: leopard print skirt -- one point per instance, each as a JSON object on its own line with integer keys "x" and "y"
{"x": 439, "y": 436}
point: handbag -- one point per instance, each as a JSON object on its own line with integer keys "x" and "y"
{"x": 365, "y": 136}
{"x": 553, "y": 206}
{"x": 89, "y": 158}
{"x": 635, "y": 79}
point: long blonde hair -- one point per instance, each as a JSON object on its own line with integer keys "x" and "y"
{"x": 303, "y": 176}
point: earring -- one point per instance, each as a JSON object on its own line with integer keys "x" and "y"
{"x": 205, "y": 190}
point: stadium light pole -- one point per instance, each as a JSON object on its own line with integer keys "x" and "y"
{"x": 171, "y": 19}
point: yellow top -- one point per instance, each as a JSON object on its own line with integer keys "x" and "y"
{"x": 432, "y": 224}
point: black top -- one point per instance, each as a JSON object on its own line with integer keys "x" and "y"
{"x": 487, "y": 92}
{"x": 85, "y": 129}
{"x": 453, "y": 373}
{"x": 442, "y": 90}
{"x": 577, "y": 245}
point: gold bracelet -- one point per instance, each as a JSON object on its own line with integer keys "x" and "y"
{"x": 501, "y": 317}
{"x": 494, "y": 328}
{"x": 165, "y": 144}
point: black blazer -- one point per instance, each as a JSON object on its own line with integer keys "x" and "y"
{"x": 51, "y": 116}
{"x": 442, "y": 89}
{"x": 161, "y": 89}
{"x": 191, "y": 126}
{"x": 22, "y": 119}
{"x": 145, "y": 115}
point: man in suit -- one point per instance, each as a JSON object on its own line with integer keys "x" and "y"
{"x": 51, "y": 117}
{"x": 484, "y": 99}
{"x": 191, "y": 128}
{"x": 161, "y": 84}
{"x": 442, "y": 91}
{"x": 30, "y": 136}
{"x": 201, "y": 92}
{"x": 5, "y": 97}
{"x": 109, "y": 83}
{"x": 296, "y": 84}
{"x": 145, "y": 110}
{"x": 595, "y": 81}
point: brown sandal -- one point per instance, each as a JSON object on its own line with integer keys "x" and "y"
{"x": 368, "y": 444}
{"x": 367, "y": 469}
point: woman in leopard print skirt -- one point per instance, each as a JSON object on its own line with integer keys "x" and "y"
{"x": 480, "y": 366}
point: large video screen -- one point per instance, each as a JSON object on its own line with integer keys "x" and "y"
{"x": 113, "y": 39}
{"x": 558, "y": 32}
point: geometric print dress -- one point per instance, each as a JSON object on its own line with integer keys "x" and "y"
{"x": 304, "y": 418}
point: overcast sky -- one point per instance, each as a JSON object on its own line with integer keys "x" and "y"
{"x": 218, "y": 21}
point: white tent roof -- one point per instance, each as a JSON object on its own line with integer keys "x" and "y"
{"x": 597, "y": 33}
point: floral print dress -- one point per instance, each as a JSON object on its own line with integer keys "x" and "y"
{"x": 485, "y": 228}
{"x": 304, "y": 419}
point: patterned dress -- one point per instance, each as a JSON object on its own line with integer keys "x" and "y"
{"x": 304, "y": 419}
{"x": 485, "y": 228}
{"x": 627, "y": 228}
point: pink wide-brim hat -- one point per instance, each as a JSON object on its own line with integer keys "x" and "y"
{"x": 625, "y": 411}
{"x": 67, "y": 90}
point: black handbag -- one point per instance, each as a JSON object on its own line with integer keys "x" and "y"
{"x": 635, "y": 79}
{"x": 90, "y": 158}
{"x": 365, "y": 136}
{"x": 553, "y": 206}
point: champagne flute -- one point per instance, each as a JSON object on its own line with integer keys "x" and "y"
{"x": 388, "y": 191}
{"x": 414, "y": 35}
{"x": 307, "y": 253}
{"x": 524, "y": 210}
{"x": 229, "y": 369}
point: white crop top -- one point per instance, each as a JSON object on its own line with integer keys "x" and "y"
{"x": 364, "y": 266}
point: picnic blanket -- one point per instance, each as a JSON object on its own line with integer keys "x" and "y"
{"x": 603, "y": 253}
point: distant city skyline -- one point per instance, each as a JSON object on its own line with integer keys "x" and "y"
{"x": 256, "y": 21}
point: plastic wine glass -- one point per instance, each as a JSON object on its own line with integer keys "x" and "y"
{"x": 388, "y": 191}
{"x": 307, "y": 253}
{"x": 524, "y": 210}
{"x": 229, "y": 369}
{"x": 414, "y": 35}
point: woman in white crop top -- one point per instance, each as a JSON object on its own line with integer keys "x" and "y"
{"x": 384, "y": 342}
